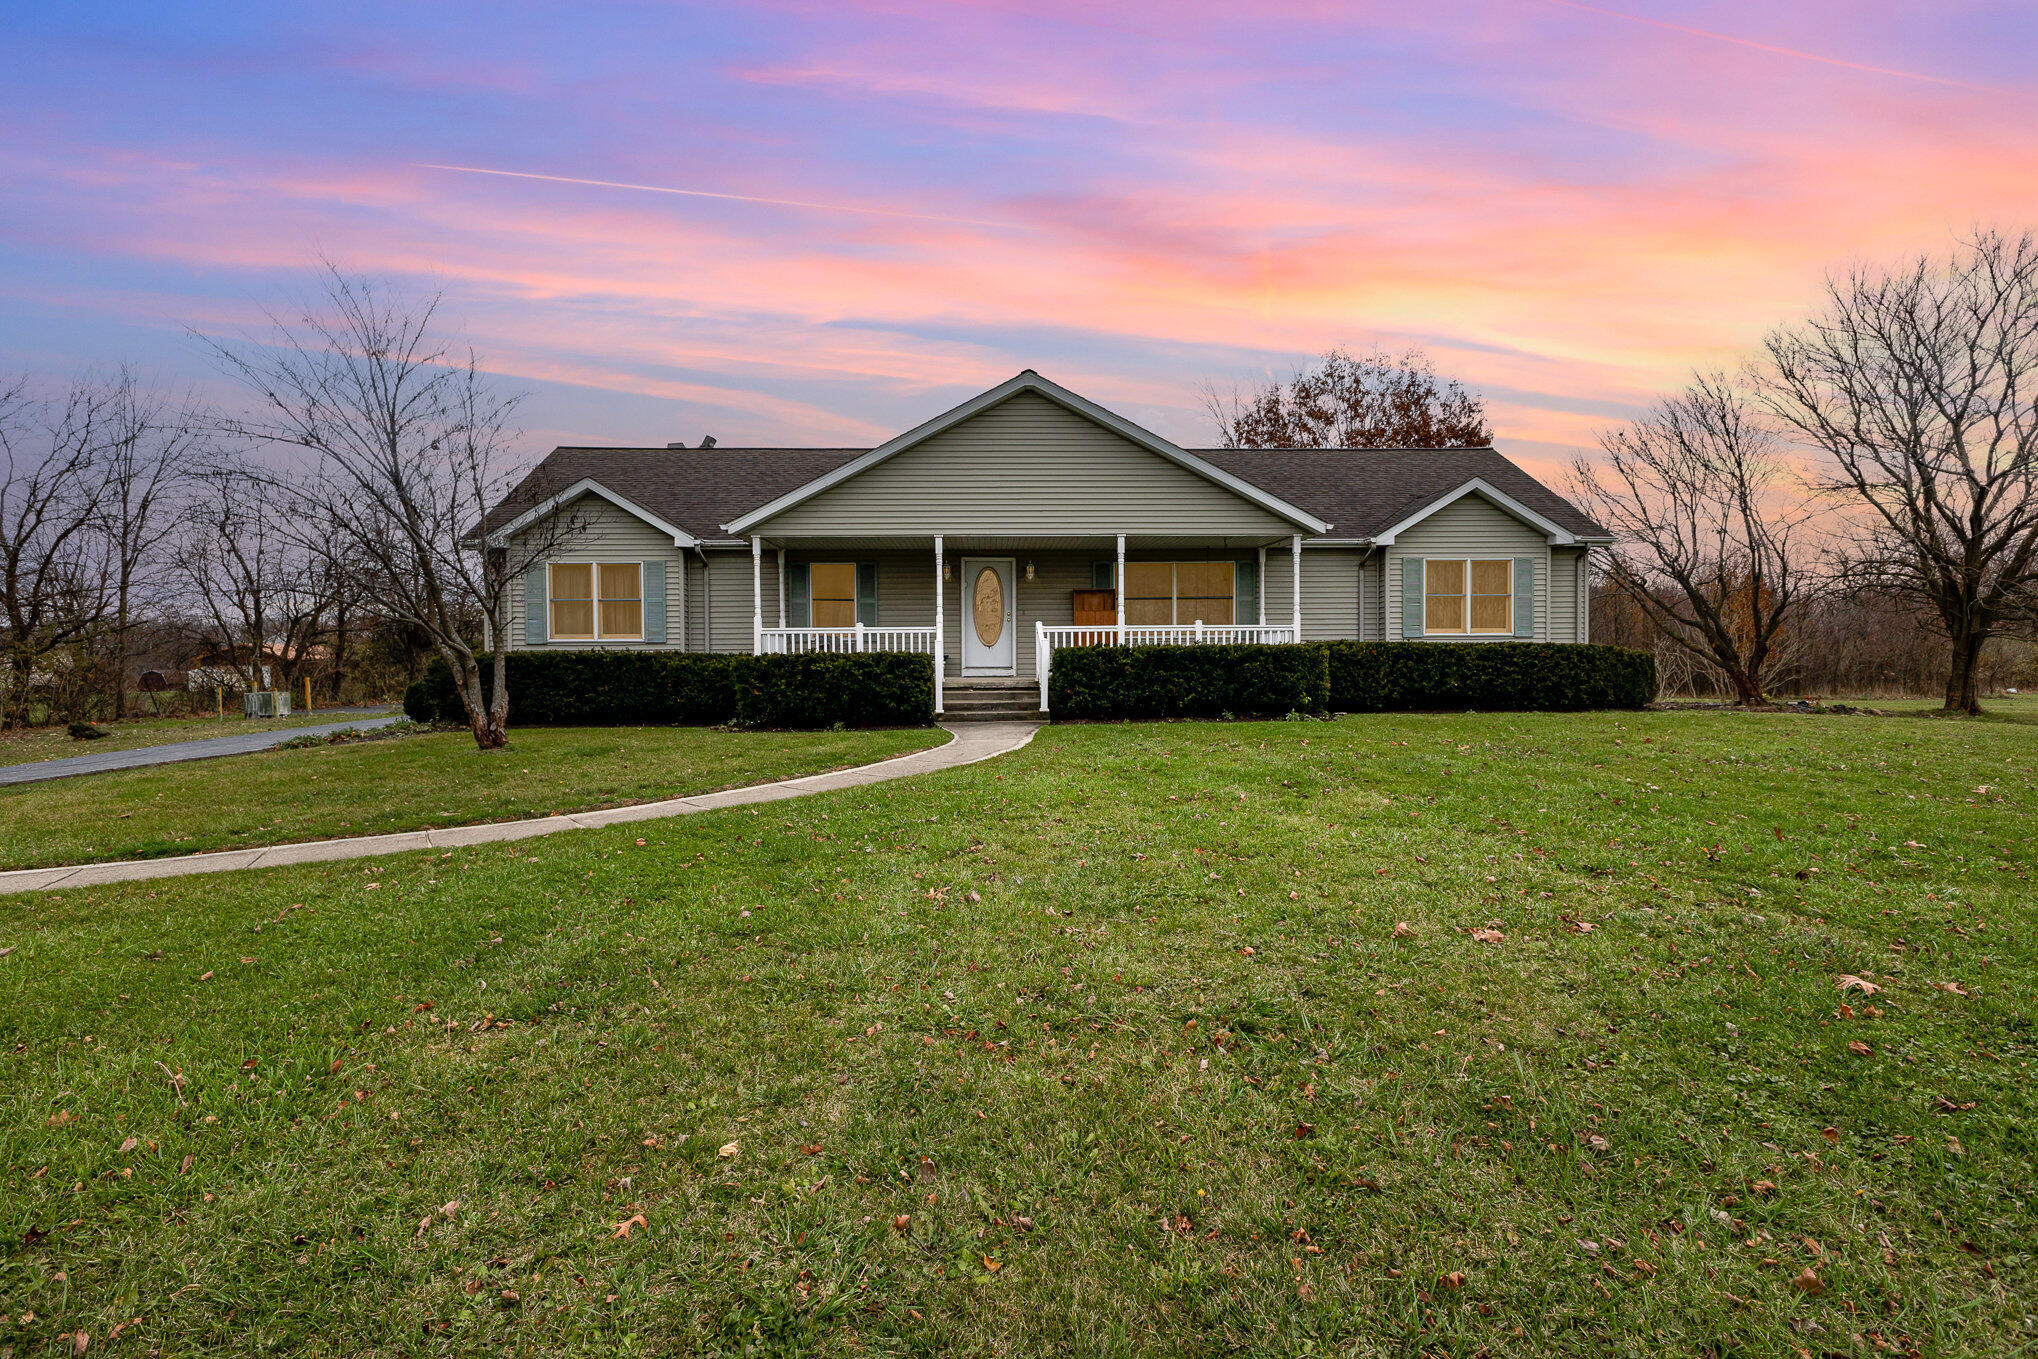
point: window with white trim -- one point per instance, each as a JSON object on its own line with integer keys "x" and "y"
{"x": 596, "y": 601}
{"x": 1467, "y": 596}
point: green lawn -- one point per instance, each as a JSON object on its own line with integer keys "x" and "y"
{"x": 55, "y": 743}
{"x": 405, "y": 783}
{"x": 1109, "y": 1046}
{"x": 2021, "y": 709}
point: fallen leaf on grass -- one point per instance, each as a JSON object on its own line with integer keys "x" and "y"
{"x": 1764, "y": 1187}
{"x": 1598, "y": 1143}
{"x": 129, "y": 1145}
{"x": 1809, "y": 1282}
{"x": 902, "y": 1224}
{"x": 1488, "y": 936}
{"x": 1849, "y": 982}
{"x": 729, "y": 1151}
{"x": 1402, "y": 929}
{"x": 205, "y": 976}
{"x": 1860, "y": 1049}
{"x": 1953, "y": 1145}
{"x": 1950, "y": 988}
{"x": 448, "y": 1209}
{"x": 1454, "y": 1279}
{"x": 623, "y": 1227}
{"x": 992, "y": 1265}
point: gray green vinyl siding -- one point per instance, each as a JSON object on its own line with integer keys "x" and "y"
{"x": 1027, "y": 466}
{"x": 598, "y": 531}
{"x": 729, "y": 598}
{"x": 1474, "y": 527}
{"x": 1566, "y": 566}
{"x": 1330, "y": 591}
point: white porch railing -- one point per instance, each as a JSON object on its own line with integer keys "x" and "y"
{"x": 1047, "y": 640}
{"x": 791, "y": 641}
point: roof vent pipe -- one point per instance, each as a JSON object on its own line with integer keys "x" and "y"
{"x": 708, "y": 442}
{"x": 680, "y": 444}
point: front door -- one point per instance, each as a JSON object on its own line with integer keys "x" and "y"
{"x": 990, "y": 615}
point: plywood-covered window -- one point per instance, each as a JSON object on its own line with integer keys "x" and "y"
{"x": 1161, "y": 594}
{"x": 834, "y": 586}
{"x": 1468, "y": 596}
{"x": 596, "y": 601}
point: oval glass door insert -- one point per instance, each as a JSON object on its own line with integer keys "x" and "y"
{"x": 987, "y": 606}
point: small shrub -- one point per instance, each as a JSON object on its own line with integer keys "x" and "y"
{"x": 84, "y": 731}
{"x": 1246, "y": 679}
{"x": 1493, "y": 676}
{"x": 868, "y": 689}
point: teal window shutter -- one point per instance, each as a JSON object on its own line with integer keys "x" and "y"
{"x": 1525, "y": 596}
{"x": 535, "y": 606}
{"x": 866, "y": 593}
{"x": 1411, "y": 596}
{"x": 799, "y": 595}
{"x": 654, "y": 603}
{"x": 1245, "y": 606}
{"x": 1100, "y": 575}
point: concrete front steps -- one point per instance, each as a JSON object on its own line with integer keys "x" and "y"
{"x": 991, "y": 700}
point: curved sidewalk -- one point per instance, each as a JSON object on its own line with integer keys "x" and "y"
{"x": 967, "y": 744}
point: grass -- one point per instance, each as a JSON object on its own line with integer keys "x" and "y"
{"x": 1110, "y": 1046}
{"x": 405, "y": 783}
{"x": 33, "y": 744}
{"x": 2017, "y": 709}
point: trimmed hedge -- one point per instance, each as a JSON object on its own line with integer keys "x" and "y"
{"x": 866, "y": 689}
{"x": 593, "y": 688}
{"x": 1243, "y": 679}
{"x": 557, "y": 688}
{"x": 1371, "y": 677}
{"x": 1250, "y": 679}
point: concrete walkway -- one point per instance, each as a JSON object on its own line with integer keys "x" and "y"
{"x": 140, "y": 757}
{"x": 968, "y": 743}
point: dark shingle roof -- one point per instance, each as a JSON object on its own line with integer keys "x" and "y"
{"x": 1359, "y": 491}
{"x": 1364, "y": 491}
{"x": 699, "y": 489}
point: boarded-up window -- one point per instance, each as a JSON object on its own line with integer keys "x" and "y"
{"x": 834, "y": 585}
{"x": 573, "y": 601}
{"x": 622, "y": 599}
{"x": 1203, "y": 593}
{"x": 1149, "y": 593}
{"x": 1468, "y": 596}
{"x": 1492, "y": 608}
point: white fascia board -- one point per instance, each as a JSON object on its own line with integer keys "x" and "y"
{"x": 1479, "y": 486}
{"x": 1030, "y": 381}
{"x": 589, "y": 486}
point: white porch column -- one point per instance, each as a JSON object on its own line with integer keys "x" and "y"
{"x": 681, "y": 581}
{"x": 781, "y": 587}
{"x": 940, "y": 653}
{"x": 1295, "y": 548}
{"x": 756, "y": 594}
{"x": 1118, "y": 589}
{"x": 1262, "y": 590}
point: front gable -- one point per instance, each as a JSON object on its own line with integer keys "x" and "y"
{"x": 1028, "y": 462}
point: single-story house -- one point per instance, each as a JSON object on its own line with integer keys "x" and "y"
{"x": 1029, "y": 518}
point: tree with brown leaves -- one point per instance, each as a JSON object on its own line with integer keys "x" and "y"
{"x": 1375, "y": 400}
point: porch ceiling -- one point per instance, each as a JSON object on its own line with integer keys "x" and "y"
{"x": 955, "y": 543}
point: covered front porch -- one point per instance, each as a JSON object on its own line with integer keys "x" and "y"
{"x": 988, "y": 607}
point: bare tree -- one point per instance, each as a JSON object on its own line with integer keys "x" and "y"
{"x": 260, "y": 593}
{"x": 408, "y": 447}
{"x": 52, "y": 579}
{"x": 1920, "y": 384}
{"x": 148, "y": 447}
{"x": 1375, "y": 400}
{"x": 1705, "y": 522}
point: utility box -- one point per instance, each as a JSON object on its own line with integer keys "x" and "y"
{"x": 266, "y": 703}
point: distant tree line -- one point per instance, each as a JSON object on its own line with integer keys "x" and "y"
{"x": 323, "y": 530}
{"x": 1856, "y": 511}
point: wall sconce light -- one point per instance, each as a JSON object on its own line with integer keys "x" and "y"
{"x": 947, "y": 570}
{"x": 1029, "y": 570}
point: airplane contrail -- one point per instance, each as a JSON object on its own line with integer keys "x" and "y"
{"x": 1780, "y": 51}
{"x": 728, "y": 197}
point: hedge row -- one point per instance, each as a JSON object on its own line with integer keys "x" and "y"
{"x": 1376, "y": 677}
{"x": 1244, "y": 679}
{"x": 554, "y": 688}
{"x": 1247, "y": 679}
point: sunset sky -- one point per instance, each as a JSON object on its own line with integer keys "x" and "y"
{"x": 791, "y": 223}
